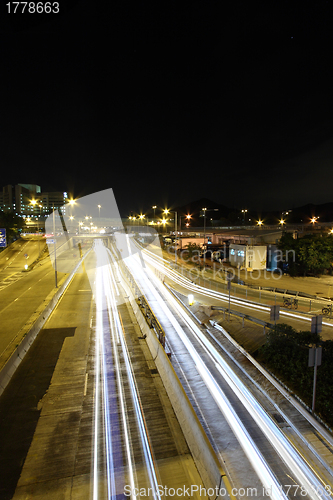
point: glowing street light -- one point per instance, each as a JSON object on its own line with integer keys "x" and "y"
{"x": 154, "y": 208}
{"x": 188, "y": 217}
{"x": 260, "y": 223}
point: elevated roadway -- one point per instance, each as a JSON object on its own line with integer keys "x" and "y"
{"x": 238, "y": 412}
{"x": 86, "y": 412}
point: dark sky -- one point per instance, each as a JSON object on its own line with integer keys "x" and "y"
{"x": 168, "y": 102}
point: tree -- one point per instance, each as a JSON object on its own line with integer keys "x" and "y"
{"x": 286, "y": 354}
{"x": 312, "y": 254}
{"x": 12, "y": 223}
{"x": 191, "y": 250}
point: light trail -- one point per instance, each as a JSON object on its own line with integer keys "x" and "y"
{"x": 160, "y": 264}
{"x": 104, "y": 389}
{"x": 110, "y": 337}
{"x": 258, "y": 462}
{"x": 306, "y": 477}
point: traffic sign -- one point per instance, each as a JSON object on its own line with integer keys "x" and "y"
{"x": 3, "y": 241}
{"x": 50, "y": 241}
{"x": 315, "y": 354}
{"x": 317, "y": 323}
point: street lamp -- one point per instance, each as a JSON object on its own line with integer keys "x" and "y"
{"x": 166, "y": 211}
{"x": 204, "y": 216}
{"x": 163, "y": 221}
{"x": 154, "y": 208}
{"x": 33, "y": 203}
{"x": 188, "y": 217}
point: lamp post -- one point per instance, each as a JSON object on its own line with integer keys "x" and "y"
{"x": 55, "y": 253}
{"x": 33, "y": 203}
{"x": 188, "y": 217}
{"x": 141, "y": 217}
{"x": 204, "y": 210}
{"x": 166, "y": 211}
{"x": 204, "y": 241}
{"x": 154, "y": 208}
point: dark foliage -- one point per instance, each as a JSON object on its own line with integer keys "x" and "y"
{"x": 286, "y": 354}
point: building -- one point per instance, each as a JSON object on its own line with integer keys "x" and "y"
{"x": 249, "y": 257}
{"x": 28, "y": 200}
{"x": 52, "y": 200}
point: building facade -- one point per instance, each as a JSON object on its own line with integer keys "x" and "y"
{"x": 249, "y": 257}
{"x": 28, "y": 200}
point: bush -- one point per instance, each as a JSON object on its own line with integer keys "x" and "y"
{"x": 286, "y": 354}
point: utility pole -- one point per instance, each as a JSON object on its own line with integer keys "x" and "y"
{"x": 55, "y": 254}
{"x": 315, "y": 354}
{"x": 229, "y": 278}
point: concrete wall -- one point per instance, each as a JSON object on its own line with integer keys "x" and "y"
{"x": 248, "y": 256}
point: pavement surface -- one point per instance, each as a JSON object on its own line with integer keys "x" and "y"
{"x": 47, "y": 409}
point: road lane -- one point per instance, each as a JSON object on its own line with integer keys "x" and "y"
{"x": 19, "y": 301}
{"x": 60, "y": 457}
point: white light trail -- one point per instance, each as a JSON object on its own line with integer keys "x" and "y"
{"x": 160, "y": 264}
{"x": 258, "y": 462}
{"x": 106, "y": 293}
{"x": 304, "y": 474}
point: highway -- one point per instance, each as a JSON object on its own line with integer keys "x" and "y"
{"x": 89, "y": 404}
{"x": 103, "y": 417}
{"x": 21, "y": 293}
{"x": 255, "y": 449}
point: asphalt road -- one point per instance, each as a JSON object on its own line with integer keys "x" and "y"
{"x": 47, "y": 410}
{"x": 20, "y": 253}
{"x": 21, "y": 293}
{"x": 20, "y": 404}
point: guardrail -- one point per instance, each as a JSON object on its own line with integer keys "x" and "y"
{"x": 151, "y": 319}
{"x": 262, "y": 295}
{"x": 243, "y": 316}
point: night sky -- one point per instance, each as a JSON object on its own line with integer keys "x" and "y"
{"x": 168, "y": 102}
